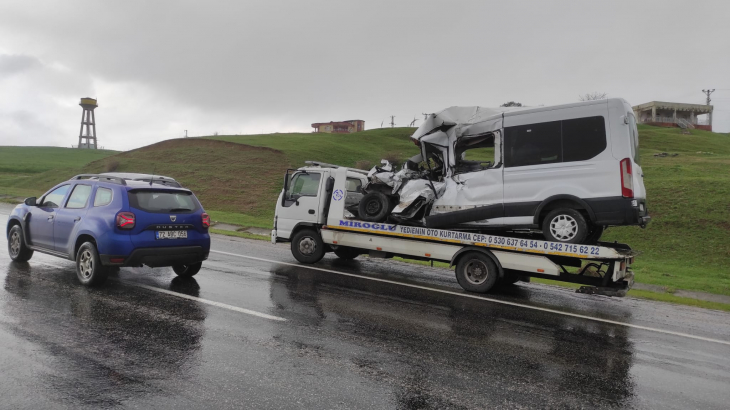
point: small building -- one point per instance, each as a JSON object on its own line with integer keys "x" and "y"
{"x": 669, "y": 114}
{"x": 339, "y": 127}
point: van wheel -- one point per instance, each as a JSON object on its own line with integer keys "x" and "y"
{"x": 476, "y": 272}
{"x": 16, "y": 245}
{"x": 565, "y": 225}
{"x": 594, "y": 234}
{"x": 374, "y": 207}
{"x": 89, "y": 269}
{"x": 346, "y": 252}
{"x": 307, "y": 246}
{"x": 187, "y": 271}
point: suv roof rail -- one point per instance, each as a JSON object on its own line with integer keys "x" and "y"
{"x": 326, "y": 165}
{"x": 101, "y": 178}
{"x": 161, "y": 180}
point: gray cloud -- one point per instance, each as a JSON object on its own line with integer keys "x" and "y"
{"x": 277, "y": 66}
{"x": 16, "y": 63}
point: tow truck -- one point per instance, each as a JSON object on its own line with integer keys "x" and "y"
{"x": 311, "y": 214}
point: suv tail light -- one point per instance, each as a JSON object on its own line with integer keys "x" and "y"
{"x": 206, "y": 220}
{"x": 627, "y": 182}
{"x": 125, "y": 220}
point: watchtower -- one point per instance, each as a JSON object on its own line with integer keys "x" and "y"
{"x": 88, "y": 140}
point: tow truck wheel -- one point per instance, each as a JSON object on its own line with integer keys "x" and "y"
{"x": 307, "y": 246}
{"x": 16, "y": 245}
{"x": 565, "y": 225}
{"x": 476, "y": 272}
{"x": 374, "y": 207}
{"x": 345, "y": 252}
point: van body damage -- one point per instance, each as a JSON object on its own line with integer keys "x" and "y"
{"x": 441, "y": 181}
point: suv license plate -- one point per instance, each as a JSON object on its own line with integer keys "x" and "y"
{"x": 172, "y": 234}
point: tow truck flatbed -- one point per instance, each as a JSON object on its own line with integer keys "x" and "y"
{"x": 482, "y": 261}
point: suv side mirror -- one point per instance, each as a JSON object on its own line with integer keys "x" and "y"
{"x": 30, "y": 201}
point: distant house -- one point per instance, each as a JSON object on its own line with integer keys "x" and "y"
{"x": 669, "y": 114}
{"x": 339, "y": 127}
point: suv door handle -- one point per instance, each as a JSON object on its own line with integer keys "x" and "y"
{"x": 78, "y": 218}
{"x": 50, "y": 218}
{"x": 311, "y": 211}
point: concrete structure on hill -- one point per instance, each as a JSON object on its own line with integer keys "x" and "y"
{"x": 669, "y": 114}
{"x": 87, "y": 139}
{"x": 339, "y": 127}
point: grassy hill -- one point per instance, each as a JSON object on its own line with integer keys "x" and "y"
{"x": 686, "y": 246}
{"x": 19, "y": 165}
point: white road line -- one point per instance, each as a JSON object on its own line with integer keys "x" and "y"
{"x": 206, "y": 301}
{"x": 470, "y": 296}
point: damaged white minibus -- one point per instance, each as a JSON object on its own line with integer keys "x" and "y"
{"x": 568, "y": 171}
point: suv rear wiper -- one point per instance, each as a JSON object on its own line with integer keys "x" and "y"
{"x": 179, "y": 210}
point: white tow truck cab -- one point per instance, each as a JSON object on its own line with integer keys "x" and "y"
{"x": 311, "y": 215}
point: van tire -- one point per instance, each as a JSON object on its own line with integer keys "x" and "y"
{"x": 89, "y": 269}
{"x": 307, "y": 246}
{"x": 346, "y": 252}
{"x": 476, "y": 272}
{"x": 594, "y": 234}
{"x": 17, "y": 249}
{"x": 565, "y": 225}
{"x": 374, "y": 207}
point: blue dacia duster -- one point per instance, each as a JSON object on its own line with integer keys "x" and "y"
{"x": 102, "y": 222}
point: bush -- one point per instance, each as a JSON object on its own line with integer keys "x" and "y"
{"x": 111, "y": 165}
{"x": 394, "y": 158}
{"x": 363, "y": 164}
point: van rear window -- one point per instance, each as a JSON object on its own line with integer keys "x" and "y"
{"x": 578, "y": 139}
{"x": 162, "y": 201}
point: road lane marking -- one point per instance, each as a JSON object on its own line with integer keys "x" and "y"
{"x": 206, "y": 301}
{"x": 470, "y": 296}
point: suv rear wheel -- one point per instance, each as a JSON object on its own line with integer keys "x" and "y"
{"x": 89, "y": 269}
{"x": 565, "y": 225}
{"x": 187, "y": 271}
{"x": 16, "y": 245}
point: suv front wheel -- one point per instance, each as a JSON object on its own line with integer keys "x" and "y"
{"x": 16, "y": 245}
{"x": 89, "y": 269}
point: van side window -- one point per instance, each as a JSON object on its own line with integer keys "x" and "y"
{"x": 583, "y": 138}
{"x": 532, "y": 144}
{"x": 571, "y": 140}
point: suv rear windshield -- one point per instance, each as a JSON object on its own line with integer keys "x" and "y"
{"x": 158, "y": 201}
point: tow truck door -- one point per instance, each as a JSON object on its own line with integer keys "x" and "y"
{"x": 300, "y": 202}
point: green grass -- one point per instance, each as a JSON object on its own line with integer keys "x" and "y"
{"x": 33, "y": 160}
{"x": 686, "y": 246}
{"x": 240, "y": 234}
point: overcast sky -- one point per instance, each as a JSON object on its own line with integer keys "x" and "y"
{"x": 161, "y": 67}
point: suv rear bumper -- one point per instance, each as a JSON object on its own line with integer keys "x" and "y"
{"x": 157, "y": 257}
{"x": 619, "y": 211}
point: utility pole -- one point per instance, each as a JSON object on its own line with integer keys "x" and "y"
{"x": 392, "y": 121}
{"x": 708, "y": 92}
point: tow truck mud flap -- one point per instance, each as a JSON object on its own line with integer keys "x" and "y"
{"x": 619, "y": 290}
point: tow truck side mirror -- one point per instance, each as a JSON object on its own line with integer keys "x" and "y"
{"x": 30, "y": 201}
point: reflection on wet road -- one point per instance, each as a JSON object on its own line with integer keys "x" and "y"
{"x": 346, "y": 341}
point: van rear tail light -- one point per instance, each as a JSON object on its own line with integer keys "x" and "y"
{"x": 125, "y": 220}
{"x": 206, "y": 220}
{"x": 627, "y": 182}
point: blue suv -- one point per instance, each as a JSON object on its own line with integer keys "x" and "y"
{"x": 103, "y": 222}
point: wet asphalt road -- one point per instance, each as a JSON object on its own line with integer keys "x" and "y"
{"x": 268, "y": 334}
